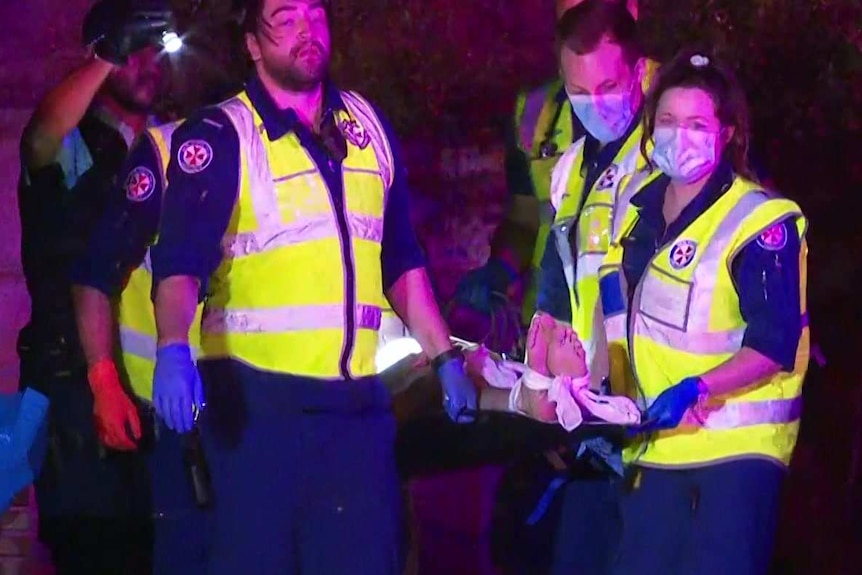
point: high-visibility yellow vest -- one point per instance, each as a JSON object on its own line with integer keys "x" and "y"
{"x": 134, "y": 311}
{"x": 544, "y": 123}
{"x": 591, "y": 212}
{"x": 299, "y": 290}
{"x": 685, "y": 320}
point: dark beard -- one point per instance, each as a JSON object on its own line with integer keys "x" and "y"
{"x": 127, "y": 100}
{"x": 292, "y": 80}
{"x": 296, "y": 79}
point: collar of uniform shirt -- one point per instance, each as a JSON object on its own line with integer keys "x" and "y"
{"x": 277, "y": 122}
{"x": 650, "y": 200}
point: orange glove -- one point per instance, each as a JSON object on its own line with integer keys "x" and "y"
{"x": 114, "y": 412}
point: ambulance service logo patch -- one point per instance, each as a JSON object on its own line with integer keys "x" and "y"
{"x": 774, "y": 238}
{"x": 194, "y": 156}
{"x": 354, "y": 133}
{"x": 608, "y": 177}
{"x": 682, "y": 253}
{"x": 140, "y": 184}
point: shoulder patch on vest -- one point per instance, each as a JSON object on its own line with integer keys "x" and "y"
{"x": 194, "y": 156}
{"x": 608, "y": 177}
{"x": 354, "y": 133}
{"x": 682, "y": 253}
{"x": 774, "y": 238}
{"x": 140, "y": 184}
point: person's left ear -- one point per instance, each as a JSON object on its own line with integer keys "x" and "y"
{"x": 727, "y": 135}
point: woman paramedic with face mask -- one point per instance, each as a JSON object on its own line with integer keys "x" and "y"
{"x": 703, "y": 292}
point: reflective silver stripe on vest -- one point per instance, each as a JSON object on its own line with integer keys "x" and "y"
{"x": 138, "y": 344}
{"x": 706, "y": 273}
{"x": 142, "y": 345}
{"x": 615, "y": 327}
{"x": 364, "y": 112}
{"x": 564, "y": 249}
{"x": 303, "y": 230}
{"x": 744, "y": 414}
{"x": 287, "y": 318}
{"x": 272, "y": 232}
{"x": 534, "y": 102}
{"x": 703, "y": 343}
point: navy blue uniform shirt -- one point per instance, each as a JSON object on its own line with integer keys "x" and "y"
{"x": 198, "y": 206}
{"x": 553, "y": 294}
{"x": 60, "y": 205}
{"x": 518, "y": 179}
{"x": 129, "y": 225}
{"x": 766, "y": 279}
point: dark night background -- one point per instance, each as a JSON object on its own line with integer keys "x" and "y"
{"x": 446, "y": 72}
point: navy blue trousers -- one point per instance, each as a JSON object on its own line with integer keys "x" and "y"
{"x": 181, "y": 529}
{"x": 304, "y": 474}
{"x": 715, "y": 520}
{"x": 588, "y": 531}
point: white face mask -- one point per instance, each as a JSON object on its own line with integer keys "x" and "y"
{"x": 684, "y": 154}
{"x": 606, "y": 117}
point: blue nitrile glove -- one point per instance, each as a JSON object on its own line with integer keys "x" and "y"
{"x": 670, "y": 406}
{"x": 22, "y": 425}
{"x": 177, "y": 388}
{"x": 459, "y": 393}
{"x": 477, "y": 287}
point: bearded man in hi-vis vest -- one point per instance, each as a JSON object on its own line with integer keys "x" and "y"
{"x": 286, "y": 213}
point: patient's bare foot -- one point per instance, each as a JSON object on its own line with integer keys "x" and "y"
{"x": 538, "y": 340}
{"x": 566, "y": 354}
{"x": 533, "y": 402}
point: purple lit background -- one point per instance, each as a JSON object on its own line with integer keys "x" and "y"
{"x": 445, "y": 71}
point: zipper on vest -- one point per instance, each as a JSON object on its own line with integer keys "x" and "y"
{"x": 349, "y": 280}
{"x": 349, "y": 294}
{"x": 346, "y": 260}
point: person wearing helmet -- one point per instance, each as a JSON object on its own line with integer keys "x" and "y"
{"x": 93, "y": 502}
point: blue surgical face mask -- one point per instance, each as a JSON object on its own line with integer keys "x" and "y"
{"x": 606, "y": 117}
{"x": 684, "y": 154}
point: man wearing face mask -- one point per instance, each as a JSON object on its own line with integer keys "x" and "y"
{"x": 543, "y": 129}
{"x": 605, "y": 74}
{"x": 93, "y": 502}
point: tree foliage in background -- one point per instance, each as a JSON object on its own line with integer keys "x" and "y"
{"x": 454, "y": 66}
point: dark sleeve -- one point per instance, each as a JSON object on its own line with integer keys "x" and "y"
{"x": 400, "y": 250}
{"x": 129, "y": 225}
{"x": 518, "y": 180}
{"x": 199, "y": 198}
{"x": 766, "y": 274}
{"x": 553, "y": 294}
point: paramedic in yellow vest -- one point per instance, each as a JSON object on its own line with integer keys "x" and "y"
{"x": 604, "y": 72}
{"x": 543, "y": 128}
{"x": 707, "y": 290}
{"x": 112, "y": 295}
{"x": 287, "y": 211}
